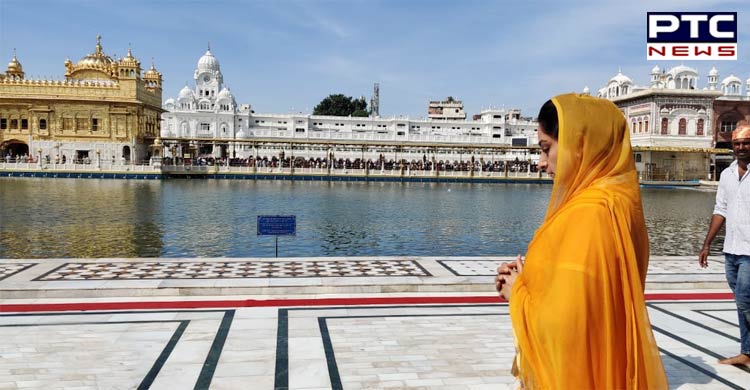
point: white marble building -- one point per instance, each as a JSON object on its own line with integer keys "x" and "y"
{"x": 206, "y": 120}
{"x": 672, "y": 119}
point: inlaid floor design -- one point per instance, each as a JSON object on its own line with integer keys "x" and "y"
{"x": 657, "y": 267}
{"x": 232, "y": 269}
{"x": 10, "y": 269}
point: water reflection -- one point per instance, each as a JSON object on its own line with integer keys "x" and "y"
{"x": 42, "y": 218}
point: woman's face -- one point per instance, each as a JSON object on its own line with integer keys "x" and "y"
{"x": 548, "y": 158}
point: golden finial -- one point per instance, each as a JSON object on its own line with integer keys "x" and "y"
{"x": 209, "y": 46}
{"x": 99, "y": 44}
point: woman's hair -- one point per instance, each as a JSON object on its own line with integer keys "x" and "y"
{"x": 548, "y": 119}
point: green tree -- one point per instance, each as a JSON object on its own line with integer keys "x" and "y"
{"x": 360, "y": 107}
{"x": 341, "y": 105}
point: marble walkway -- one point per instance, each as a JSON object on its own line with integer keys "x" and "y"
{"x": 252, "y": 324}
{"x": 96, "y": 278}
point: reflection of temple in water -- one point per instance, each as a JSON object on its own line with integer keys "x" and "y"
{"x": 73, "y": 223}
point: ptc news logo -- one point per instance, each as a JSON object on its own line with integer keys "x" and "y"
{"x": 691, "y": 36}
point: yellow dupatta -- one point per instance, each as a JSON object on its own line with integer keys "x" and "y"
{"x": 578, "y": 309}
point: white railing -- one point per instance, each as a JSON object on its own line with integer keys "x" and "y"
{"x": 69, "y": 166}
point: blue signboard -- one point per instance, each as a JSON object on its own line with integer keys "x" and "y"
{"x": 277, "y": 225}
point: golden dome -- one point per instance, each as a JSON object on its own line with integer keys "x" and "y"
{"x": 97, "y": 59}
{"x": 152, "y": 72}
{"x": 14, "y": 66}
{"x": 129, "y": 60}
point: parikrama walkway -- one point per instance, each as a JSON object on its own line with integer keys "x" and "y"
{"x": 313, "y": 323}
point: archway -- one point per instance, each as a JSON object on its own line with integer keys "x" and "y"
{"x": 14, "y": 148}
{"x": 126, "y": 153}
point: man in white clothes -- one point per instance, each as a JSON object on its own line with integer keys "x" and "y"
{"x": 733, "y": 207}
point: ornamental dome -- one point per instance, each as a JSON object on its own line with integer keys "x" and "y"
{"x": 731, "y": 80}
{"x": 225, "y": 94}
{"x": 169, "y": 101}
{"x": 14, "y": 66}
{"x": 152, "y": 72}
{"x": 620, "y": 78}
{"x": 208, "y": 63}
{"x": 186, "y": 93}
{"x": 97, "y": 59}
{"x": 655, "y": 69}
{"x": 130, "y": 61}
{"x": 682, "y": 69}
{"x": 713, "y": 72}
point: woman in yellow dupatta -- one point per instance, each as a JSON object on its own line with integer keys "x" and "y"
{"x": 577, "y": 305}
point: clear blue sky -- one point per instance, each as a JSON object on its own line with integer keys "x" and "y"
{"x": 284, "y": 55}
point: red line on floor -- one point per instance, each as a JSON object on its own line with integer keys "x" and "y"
{"x": 89, "y": 306}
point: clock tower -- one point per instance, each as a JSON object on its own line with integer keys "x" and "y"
{"x": 208, "y": 80}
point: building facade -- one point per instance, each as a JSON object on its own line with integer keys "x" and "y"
{"x": 104, "y": 109}
{"x": 674, "y": 122}
{"x": 446, "y": 109}
{"x": 205, "y": 121}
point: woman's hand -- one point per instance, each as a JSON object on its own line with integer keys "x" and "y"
{"x": 506, "y": 276}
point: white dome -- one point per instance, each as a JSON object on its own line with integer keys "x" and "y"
{"x": 208, "y": 63}
{"x": 713, "y": 71}
{"x": 225, "y": 94}
{"x": 621, "y": 79}
{"x": 748, "y": 81}
{"x": 731, "y": 79}
{"x": 586, "y": 90}
{"x": 655, "y": 69}
{"x": 682, "y": 69}
{"x": 186, "y": 93}
{"x": 169, "y": 101}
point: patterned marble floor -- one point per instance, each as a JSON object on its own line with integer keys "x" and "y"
{"x": 94, "y": 278}
{"x": 125, "y": 270}
{"x": 456, "y": 346}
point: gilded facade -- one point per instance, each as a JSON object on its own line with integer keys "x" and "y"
{"x": 105, "y": 109}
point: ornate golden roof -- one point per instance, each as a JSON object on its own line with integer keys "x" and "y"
{"x": 14, "y": 66}
{"x": 97, "y": 59}
{"x": 130, "y": 61}
{"x": 152, "y": 72}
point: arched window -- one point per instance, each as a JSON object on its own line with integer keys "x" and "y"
{"x": 664, "y": 126}
{"x": 632, "y": 127}
{"x": 646, "y": 127}
{"x": 682, "y": 130}
{"x": 640, "y": 127}
{"x": 699, "y": 130}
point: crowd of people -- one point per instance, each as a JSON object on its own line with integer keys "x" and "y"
{"x": 424, "y": 164}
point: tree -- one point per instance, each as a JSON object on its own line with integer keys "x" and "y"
{"x": 341, "y": 105}
{"x": 360, "y": 107}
